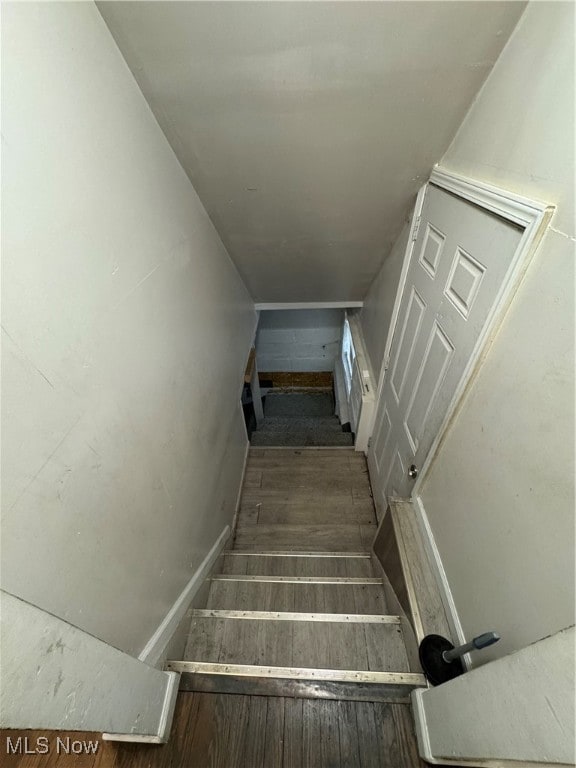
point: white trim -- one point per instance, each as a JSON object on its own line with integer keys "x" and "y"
{"x": 362, "y": 364}
{"x": 308, "y": 305}
{"x": 241, "y": 486}
{"x": 421, "y": 727}
{"x": 135, "y": 738}
{"x": 502, "y": 202}
{"x": 165, "y": 722}
{"x": 433, "y": 553}
{"x": 168, "y": 707}
{"x": 154, "y": 648}
{"x": 244, "y": 466}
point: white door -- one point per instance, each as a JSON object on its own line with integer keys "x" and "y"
{"x": 458, "y": 267}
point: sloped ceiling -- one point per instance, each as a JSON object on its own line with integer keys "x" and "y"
{"x": 307, "y": 127}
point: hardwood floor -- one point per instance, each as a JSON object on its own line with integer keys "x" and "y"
{"x": 231, "y": 731}
{"x": 307, "y": 500}
{"x": 308, "y": 598}
{"x": 342, "y": 645}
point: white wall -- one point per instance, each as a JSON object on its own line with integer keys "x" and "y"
{"x": 376, "y": 314}
{"x": 298, "y": 339}
{"x": 126, "y": 330}
{"x": 520, "y": 708}
{"x": 59, "y": 676}
{"x": 500, "y": 496}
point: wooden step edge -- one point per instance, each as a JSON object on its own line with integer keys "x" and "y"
{"x": 293, "y": 673}
{"x": 298, "y": 682}
{"x": 297, "y": 579}
{"x": 289, "y": 553}
{"x": 335, "y": 618}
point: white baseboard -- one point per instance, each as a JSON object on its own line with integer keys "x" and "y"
{"x": 167, "y": 713}
{"x": 154, "y": 648}
{"x": 165, "y": 721}
{"x": 241, "y": 487}
{"x": 443, "y": 585}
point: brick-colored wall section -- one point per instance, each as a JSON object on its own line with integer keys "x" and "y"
{"x": 297, "y": 379}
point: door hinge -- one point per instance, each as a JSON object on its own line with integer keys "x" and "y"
{"x": 416, "y": 227}
{"x": 369, "y": 441}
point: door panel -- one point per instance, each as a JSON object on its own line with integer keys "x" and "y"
{"x": 397, "y": 471}
{"x": 428, "y": 381}
{"x": 384, "y": 431}
{"x": 459, "y": 263}
{"x": 464, "y": 282}
{"x": 431, "y": 250}
{"x": 408, "y": 337}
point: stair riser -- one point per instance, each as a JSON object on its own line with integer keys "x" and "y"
{"x": 298, "y": 405}
{"x": 298, "y": 566}
{"x": 291, "y": 425}
{"x": 302, "y": 689}
{"x": 301, "y": 440}
{"x": 302, "y": 597}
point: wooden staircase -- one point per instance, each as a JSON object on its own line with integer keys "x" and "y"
{"x": 305, "y": 615}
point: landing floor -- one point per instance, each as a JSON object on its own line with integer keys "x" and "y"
{"x": 225, "y": 731}
{"x": 306, "y": 499}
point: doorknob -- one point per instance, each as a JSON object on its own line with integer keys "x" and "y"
{"x": 413, "y": 471}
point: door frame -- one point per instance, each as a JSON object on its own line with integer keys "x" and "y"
{"x": 533, "y": 216}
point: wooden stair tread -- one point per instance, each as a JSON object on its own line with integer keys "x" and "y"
{"x": 342, "y": 537}
{"x": 302, "y": 597}
{"x": 296, "y": 609}
{"x": 358, "y": 646}
{"x": 297, "y": 565}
